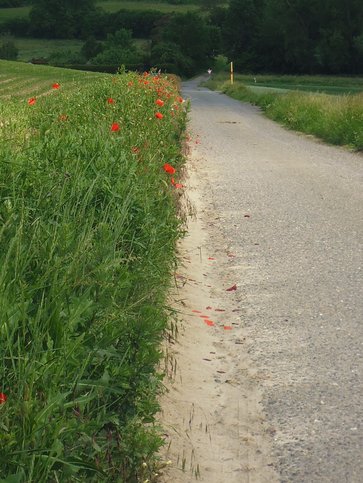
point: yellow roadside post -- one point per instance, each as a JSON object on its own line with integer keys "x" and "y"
{"x": 231, "y": 72}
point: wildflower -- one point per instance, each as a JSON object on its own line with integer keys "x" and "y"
{"x": 110, "y": 100}
{"x": 3, "y": 398}
{"x": 130, "y": 84}
{"x": 168, "y": 168}
{"x": 180, "y": 99}
{"x": 32, "y": 101}
{"x": 159, "y": 115}
{"x": 63, "y": 117}
{"x": 115, "y": 127}
{"x": 159, "y": 102}
{"x": 56, "y": 85}
{"x": 135, "y": 149}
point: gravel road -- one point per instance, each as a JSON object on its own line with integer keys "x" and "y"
{"x": 290, "y": 207}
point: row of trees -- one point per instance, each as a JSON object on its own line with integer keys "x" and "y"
{"x": 302, "y": 36}
{"x": 287, "y": 36}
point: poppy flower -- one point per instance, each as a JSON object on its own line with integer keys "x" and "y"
{"x": 56, "y": 85}
{"x": 135, "y": 149}
{"x": 63, "y": 117}
{"x": 110, "y": 100}
{"x": 159, "y": 102}
{"x": 130, "y": 84}
{"x": 180, "y": 99}
{"x": 159, "y": 115}
{"x": 3, "y": 398}
{"x": 115, "y": 127}
{"x": 168, "y": 168}
{"x": 32, "y": 101}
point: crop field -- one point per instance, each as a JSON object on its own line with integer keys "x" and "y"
{"x": 90, "y": 167}
{"x": 330, "y": 108}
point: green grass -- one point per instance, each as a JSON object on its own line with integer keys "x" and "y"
{"x": 325, "y": 84}
{"x": 337, "y": 119}
{"x": 35, "y": 48}
{"x": 30, "y": 48}
{"x": 87, "y": 248}
{"x": 11, "y": 13}
{"x": 114, "y": 6}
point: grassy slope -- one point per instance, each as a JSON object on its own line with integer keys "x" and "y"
{"x": 337, "y": 119}
{"x": 88, "y": 230}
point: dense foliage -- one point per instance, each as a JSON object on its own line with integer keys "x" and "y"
{"x": 287, "y": 36}
{"x": 301, "y": 36}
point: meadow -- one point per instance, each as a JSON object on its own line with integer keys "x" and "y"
{"x": 89, "y": 190}
{"x": 328, "y": 107}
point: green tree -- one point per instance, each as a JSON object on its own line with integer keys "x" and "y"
{"x": 240, "y": 31}
{"x": 59, "y": 18}
{"x": 194, "y": 41}
{"x": 119, "y": 48}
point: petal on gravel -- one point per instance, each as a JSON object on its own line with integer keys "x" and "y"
{"x": 230, "y": 289}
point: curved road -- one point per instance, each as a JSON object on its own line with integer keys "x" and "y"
{"x": 290, "y": 207}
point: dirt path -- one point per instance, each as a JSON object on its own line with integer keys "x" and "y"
{"x": 267, "y": 384}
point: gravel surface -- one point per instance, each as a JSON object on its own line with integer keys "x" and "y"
{"x": 290, "y": 208}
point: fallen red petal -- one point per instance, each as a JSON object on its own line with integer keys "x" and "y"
{"x": 234, "y": 287}
{"x": 227, "y": 327}
{"x": 210, "y": 323}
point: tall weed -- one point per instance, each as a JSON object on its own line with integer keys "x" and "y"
{"x": 336, "y": 119}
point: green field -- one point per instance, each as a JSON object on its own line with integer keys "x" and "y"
{"x": 326, "y": 84}
{"x": 87, "y": 252}
{"x": 328, "y": 107}
{"x": 114, "y": 6}
{"x": 108, "y": 6}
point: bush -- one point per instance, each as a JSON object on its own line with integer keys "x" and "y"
{"x": 8, "y": 50}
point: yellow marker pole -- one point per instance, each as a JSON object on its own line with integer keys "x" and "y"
{"x": 231, "y": 72}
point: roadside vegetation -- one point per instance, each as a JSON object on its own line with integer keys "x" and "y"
{"x": 90, "y": 165}
{"x": 337, "y": 119}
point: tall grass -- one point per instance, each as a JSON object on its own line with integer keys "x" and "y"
{"x": 87, "y": 237}
{"x": 337, "y": 119}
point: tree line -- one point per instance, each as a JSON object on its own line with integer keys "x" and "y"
{"x": 277, "y": 36}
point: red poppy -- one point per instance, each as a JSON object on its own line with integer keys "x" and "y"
{"x": 130, "y": 84}
{"x": 110, "y": 100}
{"x": 180, "y": 99}
{"x": 56, "y": 85}
{"x": 159, "y": 115}
{"x": 115, "y": 127}
{"x": 168, "y": 168}
{"x": 32, "y": 101}
{"x": 63, "y": 117}
{"x": 3, "y": 398}
{"x": 159, "y": 102}
{"x": 135, "y": 149}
